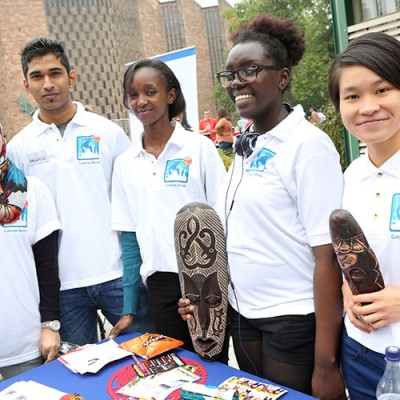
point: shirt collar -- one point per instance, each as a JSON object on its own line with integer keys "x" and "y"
{"x": 287, "y": 126}
{"x": 178, "y": 138}
{"x": 390, "y": 167}
{"x": 79, "y": 119}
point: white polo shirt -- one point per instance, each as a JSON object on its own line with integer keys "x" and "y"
{"x": 19, "y": 290}
{"x": 148, "y": 192}
{"x": 77, "y": 168}
{"x": 372, "y": 195}
{"x": 280, "y": 200}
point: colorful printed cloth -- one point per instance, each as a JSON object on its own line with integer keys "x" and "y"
{"x": 13, "y": 186}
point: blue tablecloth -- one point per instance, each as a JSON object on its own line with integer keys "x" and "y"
{"x": 93, "y": 386}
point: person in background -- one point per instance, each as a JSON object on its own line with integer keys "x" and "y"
{"x": 182, "y": 119}
{"x": 224, "y": 137}
{"x": 364, "y": 85}
{"x": 166, "y": 168}
{"x": 285, "y": 180}
{"x": 314, "y": 117}
{"x": 89, "y": 108}
{"x": 242, "y": 125}
{"x": 29, "y": 283}
{"x": 73, "y": 152}
{"x": 207, "y": 125}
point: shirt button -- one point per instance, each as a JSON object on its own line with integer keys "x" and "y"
{"x": 378, "y": 195}
{"x": 154, "y": 174}
{"x": 379, "y": 174}
{"x": 375, "y": 216}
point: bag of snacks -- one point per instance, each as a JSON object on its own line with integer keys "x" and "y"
{"x": 150, "y": 345}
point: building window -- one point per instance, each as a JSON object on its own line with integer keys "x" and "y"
{"x": 215, "y": 41}
{"x": 378, "y": 8}
{"x": 172, "y": 26}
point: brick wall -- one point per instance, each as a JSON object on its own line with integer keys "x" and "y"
{"x": 100, "y": 37}
{"x": 25, "y": 20}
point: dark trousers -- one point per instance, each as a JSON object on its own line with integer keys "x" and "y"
{"x": 164, "y": 293}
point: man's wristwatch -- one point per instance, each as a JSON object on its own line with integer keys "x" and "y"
{"x": 53, "y": 325}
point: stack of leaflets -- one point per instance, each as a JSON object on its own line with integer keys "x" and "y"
{"x": 30, "y": 390}
{"x": 246, "y": 389}
{"x": 157, "y": 365}
{"x": 195, "y": 391}
{"x": 151, "y": 383}
{"x": 92, "y": 358}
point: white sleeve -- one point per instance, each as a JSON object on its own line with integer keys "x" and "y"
{"x": 121, "y": 219}
{"x": 214, "y": 173}
{"x": 122, "y": 142}
{"x": 46, "y": 214}
{"x": 319, "y": 192}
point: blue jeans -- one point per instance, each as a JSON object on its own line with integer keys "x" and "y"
{"x": 79, "y": 310}
{"x": 362, "y": 369}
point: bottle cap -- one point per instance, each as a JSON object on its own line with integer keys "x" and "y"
{"x": 392, "y": 353}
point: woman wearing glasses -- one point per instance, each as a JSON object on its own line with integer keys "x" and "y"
{"x": 284, "y": 182}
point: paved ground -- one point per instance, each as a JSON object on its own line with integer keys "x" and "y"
{"x": 232, "y": 359}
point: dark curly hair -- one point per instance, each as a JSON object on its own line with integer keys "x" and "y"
{"x": 281, "y": 40}
{"x": 179, "y": 104}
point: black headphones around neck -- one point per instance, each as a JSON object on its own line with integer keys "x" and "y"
{"x": 246, "y": 141}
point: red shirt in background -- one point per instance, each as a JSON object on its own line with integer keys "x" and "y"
{"x": 207, "y": 127}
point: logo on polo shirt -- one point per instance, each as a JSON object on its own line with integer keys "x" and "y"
{"x": 21, "y": 224}
{"x": 177, "y": 170}
{"x": 260, "y": 162}
{"x": 394, "y": 224}
{"x": 88, "y": 148}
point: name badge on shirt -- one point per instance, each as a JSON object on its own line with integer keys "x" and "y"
{"x": 38, "y": 157}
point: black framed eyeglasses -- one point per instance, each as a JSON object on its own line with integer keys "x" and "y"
{"x": 246, "y": 74}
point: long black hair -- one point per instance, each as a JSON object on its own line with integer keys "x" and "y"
{"x": 179, "y": 104}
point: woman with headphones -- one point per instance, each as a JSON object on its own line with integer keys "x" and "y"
{"x": 286, "y": 178}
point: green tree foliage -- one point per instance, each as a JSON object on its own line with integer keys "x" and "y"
{"x": 25, "y": 106}
{"x": 309, "y": 83}
{"x": 227, "y": 157}
{"x": 333, "y": 126}
{"x": 224, "y": 101}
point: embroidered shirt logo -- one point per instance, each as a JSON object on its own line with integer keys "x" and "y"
{"x": 260, "y": 162}
{"x": 394, "y": 224}
{"x": 88, "y": 147}
{"x": 21, "y": 224}
{"x": 177, "y": 170}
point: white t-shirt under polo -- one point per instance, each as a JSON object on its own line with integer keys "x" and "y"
{"x": 372, "y": 195}
{"x": 77, "y": 169}
{"x": 148, "y": 192}
{"x": 280, "y": 200}
{"x": 19, "y": 290}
